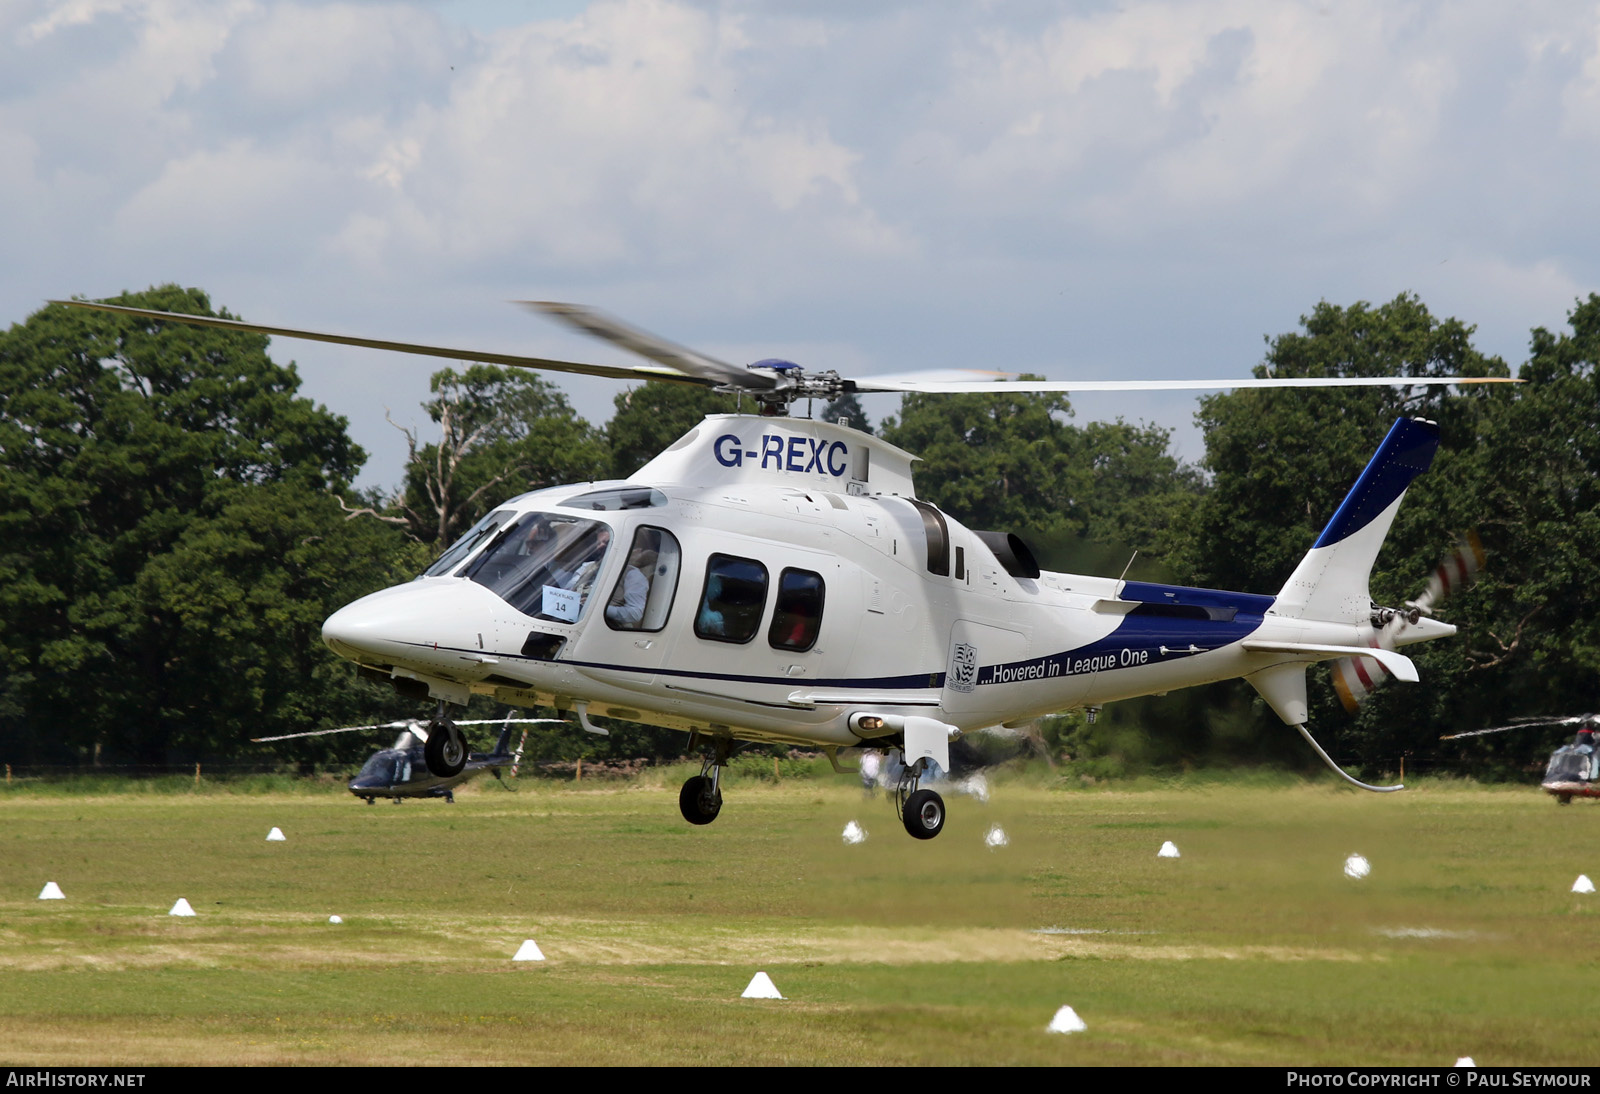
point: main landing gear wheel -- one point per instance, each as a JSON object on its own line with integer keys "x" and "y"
{"x": 700, "y": 800}
{"x": 923, "y": 814}
{"x": 445, "y": 750}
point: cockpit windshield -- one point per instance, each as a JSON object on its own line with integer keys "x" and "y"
{"x": 1570, "y": 763}
{"x": 461, "y": 548}
{"x": 544, "y": 565}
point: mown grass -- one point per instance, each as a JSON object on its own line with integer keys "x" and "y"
{"x": 1252, "y": 948}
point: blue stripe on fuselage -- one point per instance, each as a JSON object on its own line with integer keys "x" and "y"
{"x": 1183, "y": 624}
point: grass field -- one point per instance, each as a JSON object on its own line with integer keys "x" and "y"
{"x": 1252, "y": 948}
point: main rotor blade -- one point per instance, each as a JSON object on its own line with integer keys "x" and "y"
{"x": 678, "y": 358}
{"x": 412, "y": 725}
{"x": 1001, "y": 387}
{"x": 615, "y": 372}
{"x": 1527, "y": 723}
{"x": 517, "y": 721}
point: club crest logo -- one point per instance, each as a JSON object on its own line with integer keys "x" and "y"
{"x": 963, "y": 674}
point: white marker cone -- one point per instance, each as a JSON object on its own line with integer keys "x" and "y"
{"x": 529, "y": 951}
{"x": 1066, "y": 1021}
{"x": 335, "y": 919}
{"x": 276, "y": 835}
{"x": 1168, "y": 850}
{"x": 181, "y": 908}
{"x": 51, "y": 891}
{"x": 1465, "y": 1061}
{"x": 761, "y": 987}
{"x": 1583, "y": 884}
{"x": 1357, "y": 867}
{"x": 854, "y": 833}
{"x": 996, "y": 837}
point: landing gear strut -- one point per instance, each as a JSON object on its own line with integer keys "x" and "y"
{"x": 700, "y": 800}
{"x": 445, "y": 749}
{"x": 921, "y": 811}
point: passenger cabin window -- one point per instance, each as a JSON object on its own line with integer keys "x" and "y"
{"x": 643, "y": 593}
{"x": 733, "y": 600}
{"x": 798, "y": 615}
{"x": 544, "y": 565}
{"x": 477, "y": 535}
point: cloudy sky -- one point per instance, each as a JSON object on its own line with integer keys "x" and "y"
{"x": 1084, "y": 190}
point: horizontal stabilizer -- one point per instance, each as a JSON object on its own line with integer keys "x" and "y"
{"x": 1398, "y": 664}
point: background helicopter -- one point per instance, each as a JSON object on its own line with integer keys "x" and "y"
{"x": 934, "y": 629}
{"x": 401, "y": 770}
{"x": 1574, "y": 769}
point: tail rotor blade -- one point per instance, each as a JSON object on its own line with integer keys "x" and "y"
{"x": 1356, "y": 678}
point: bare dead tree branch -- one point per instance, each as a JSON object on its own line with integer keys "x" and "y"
{"x": 1507, "y": 649}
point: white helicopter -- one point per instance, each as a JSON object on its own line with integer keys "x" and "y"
{"x": 776, "y": 579}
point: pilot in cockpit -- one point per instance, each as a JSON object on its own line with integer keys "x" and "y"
{"x": 577, "y": 571}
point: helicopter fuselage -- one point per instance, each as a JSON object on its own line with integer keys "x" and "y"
{"x": 796, "y": 591}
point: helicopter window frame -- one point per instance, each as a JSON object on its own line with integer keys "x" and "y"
{"x": 666, "y": 570}
{"x": 792, "y": 610}
{"x": 937, "y": 533}
{"x": 522, "y": 571}
{"x": 748, "y": 626}
{"x": 480, "y": 533}
{"x": 614, "y": 499}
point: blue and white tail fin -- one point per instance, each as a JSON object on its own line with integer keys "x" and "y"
{"x": 1331, "y": 582}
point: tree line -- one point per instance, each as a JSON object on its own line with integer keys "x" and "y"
{"x": 176, "y": 521}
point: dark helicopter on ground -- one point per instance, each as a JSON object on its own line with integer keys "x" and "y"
{"x": 401, "y": 770}
{"x": 1574, "y": 769}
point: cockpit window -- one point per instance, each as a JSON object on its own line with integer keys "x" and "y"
{"x": 477, "y": 535}
{"x": 544, "y": 565}
{"x": 618, "y": 497}
{"x": 1570, "y": 763}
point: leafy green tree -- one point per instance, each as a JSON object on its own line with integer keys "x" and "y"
{"x": 1531, "y": 639}
{"x": 1014, "y": 462}
{"x": 650, "y": 417}
{"x": 993, "y": 461}
{"x": 502, "y": 432}
{"x": 848, "y": 408}
{"x": 1282, "y": 461}
{"x": 1517, "y": 465}
{"x": 161, "y": 486}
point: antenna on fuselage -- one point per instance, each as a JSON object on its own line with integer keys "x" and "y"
{"x": 1128, "y": 567}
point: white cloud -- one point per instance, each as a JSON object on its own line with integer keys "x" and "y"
{"x": 1144, "y": 187}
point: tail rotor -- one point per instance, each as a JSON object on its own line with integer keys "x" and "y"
{"x": 1356, "y": 678}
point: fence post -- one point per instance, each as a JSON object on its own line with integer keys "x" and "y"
{"x": 579, "y": 779}
{"x": 197, "y": 775}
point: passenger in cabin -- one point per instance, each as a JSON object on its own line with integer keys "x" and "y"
{"x": 628, "y": 599}
{"x": 710, "y": 623}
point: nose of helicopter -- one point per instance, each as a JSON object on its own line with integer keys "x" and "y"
{"x": 432, "y": 615}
